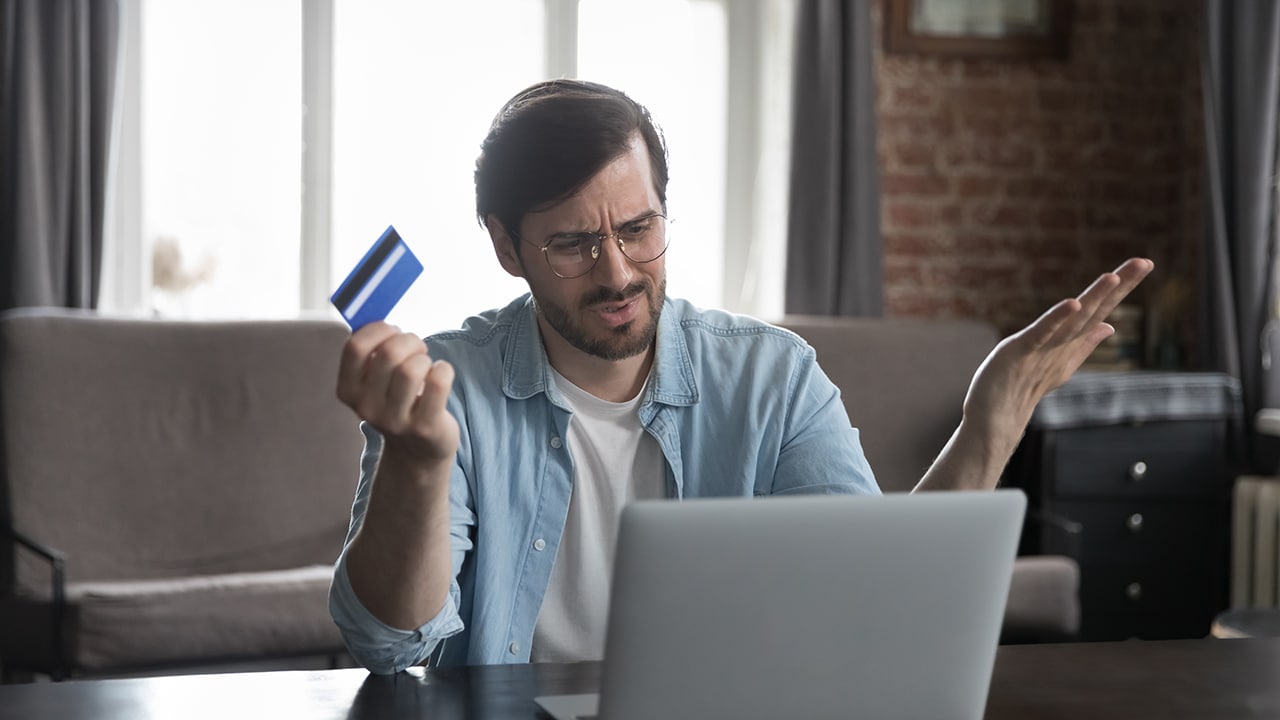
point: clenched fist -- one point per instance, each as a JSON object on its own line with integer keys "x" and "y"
{"x": 389, "y": 380}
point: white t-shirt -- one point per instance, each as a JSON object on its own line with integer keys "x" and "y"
{"x": 615, "y": 461}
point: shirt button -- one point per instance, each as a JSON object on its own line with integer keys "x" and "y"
{"x": 514, "y": 648}
{"x": 555, "y": 442}
{"x": 539, "y": 544}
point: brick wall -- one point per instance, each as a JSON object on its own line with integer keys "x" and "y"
{"x": 1010, "y": 184}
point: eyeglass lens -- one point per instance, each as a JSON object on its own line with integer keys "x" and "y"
{"x": 575, "y": 254}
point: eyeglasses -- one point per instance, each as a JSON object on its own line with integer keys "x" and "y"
{"x": 574, "y": 254}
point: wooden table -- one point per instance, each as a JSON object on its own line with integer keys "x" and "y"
{"x": 1220, "y": 679}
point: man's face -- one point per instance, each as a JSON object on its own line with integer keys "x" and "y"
{"x": 612, "y": 311}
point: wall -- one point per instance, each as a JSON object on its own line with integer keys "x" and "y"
{"x": 1010, "y": 184}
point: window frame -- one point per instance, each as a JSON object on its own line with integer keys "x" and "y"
{"x": 752, "y": 279}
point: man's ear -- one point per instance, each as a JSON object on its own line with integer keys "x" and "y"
{"x": 504, "y": 246}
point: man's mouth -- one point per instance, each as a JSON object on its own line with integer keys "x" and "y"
{"x": 615, "y": 307}
{"x": 618, "y": 313}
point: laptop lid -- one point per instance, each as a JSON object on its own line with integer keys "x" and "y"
{"x": 814, "y": 606}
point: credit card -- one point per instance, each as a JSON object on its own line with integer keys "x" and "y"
{"x": 377, "y": 282}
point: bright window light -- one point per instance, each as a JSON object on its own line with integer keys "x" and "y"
{"x": 221, "y": 136}
{"x": 670, "y": 55}
{"x": 415, "y": 87}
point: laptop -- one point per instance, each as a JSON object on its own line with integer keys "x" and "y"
{"x": 814, "y": 607}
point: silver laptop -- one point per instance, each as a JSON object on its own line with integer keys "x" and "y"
{"x": 814, "y": 607}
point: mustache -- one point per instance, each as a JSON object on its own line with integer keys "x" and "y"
{"x": 605, "y": 295}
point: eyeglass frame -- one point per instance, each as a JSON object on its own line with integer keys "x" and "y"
{"x": 599, "y": 243}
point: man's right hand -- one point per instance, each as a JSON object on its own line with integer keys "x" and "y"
{"x": 399, "y": 560}
{"x": 389, "y": 380}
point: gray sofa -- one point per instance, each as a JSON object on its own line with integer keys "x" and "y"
{"x": 175, "y": 493}
{"x": 170, "y": 493}
{"x": 903, "y": 383}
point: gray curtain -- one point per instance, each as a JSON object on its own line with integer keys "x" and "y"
{"x": 835, "y": 256}
{"x": 57, "y": 80}
{"x": 1241, "y": 80}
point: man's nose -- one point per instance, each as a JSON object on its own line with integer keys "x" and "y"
{"x": 614, "y": 269}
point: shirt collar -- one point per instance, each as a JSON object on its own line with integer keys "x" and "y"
{"x": 526, "y": 370}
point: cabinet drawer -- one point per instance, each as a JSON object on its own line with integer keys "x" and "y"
{"x": 1154, "y": 604}
{"x": 1154, "y": 460}
{"x": 1140, "y": 533}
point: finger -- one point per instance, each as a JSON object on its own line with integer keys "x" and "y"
{"x": 355, "y": 357}
{"x": 1131, "y": 273}
{"x": 435, "y": 391}
{"x": 1049, "y": 325}
{"x": 403, "y": 388}
{"x": 1090, "y": 300}
{"x": 384, "y": 360}
{"x": 1092, "y": 338}
{"x": 1104, "y": 299}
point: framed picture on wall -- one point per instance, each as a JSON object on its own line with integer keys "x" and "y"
{"x": 978, "y": 28}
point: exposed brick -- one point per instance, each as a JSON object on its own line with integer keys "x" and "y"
{"x": 1163, "y": 161}
{"x": 919, "y": 185}
{"x": 983, "y": 276}
{"x": 970, "y": 243}
{"x": 1064, "y": 160}
{"x": 912, "y": 97}
{"x": 1010, "y": 185}
{"x": 977, "y": 186}
{"x": 903, "y": 271}
{"x": 1036, "y": 186}
{"x": 1086, "y": 16}
{"x": 916, "y": 126}
{"x": 1002, "y": 99}
{"x": 1057, "y": 217}
{"x": 909, "y": 214}
{"x": 916, "y": 245}
{"x": 1059, "y": 100}
{"x": 1000, "y": 215}
{"x": 951, "y": 214}
{"x": 1144, "y": 133}
{"x": 915, "y": 155}
{"x": 1054, "y": 246}
{"x": 987, "y": 153}
{"x": 1111, "y": 158}
{"x": 1132, "y": 15}
{"x": 912, "y": 305}
{"x": 1158, "y": 192}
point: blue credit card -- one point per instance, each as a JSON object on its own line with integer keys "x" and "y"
{"x": 377, "y": 282}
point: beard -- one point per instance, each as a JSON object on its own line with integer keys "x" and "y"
{"x": 619, "y": 343}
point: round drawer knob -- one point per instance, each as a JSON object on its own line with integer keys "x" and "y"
{"x": 1134, "y": 523}
{"x": 1133, "y": 591}
{"x": 1138, "y": 471}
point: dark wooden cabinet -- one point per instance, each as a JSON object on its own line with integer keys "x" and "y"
{"x": 1128, "y": 473}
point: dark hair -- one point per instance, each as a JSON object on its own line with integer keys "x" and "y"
{"x": 550, "y": 139}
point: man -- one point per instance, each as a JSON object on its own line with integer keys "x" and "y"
{"x": 499, "y": 456}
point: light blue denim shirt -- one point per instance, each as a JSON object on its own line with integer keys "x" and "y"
{"x": 739, "y": 408}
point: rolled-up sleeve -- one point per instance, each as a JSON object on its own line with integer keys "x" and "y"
{"x": 372, "y": 643}
{"x": 377, "y": 646}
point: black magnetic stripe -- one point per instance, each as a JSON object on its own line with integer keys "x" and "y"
{"x": 367, "y": 270}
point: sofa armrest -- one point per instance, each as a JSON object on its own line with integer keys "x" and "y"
{"x": 58, "y": 565}
{"x": 1044, "y": 600}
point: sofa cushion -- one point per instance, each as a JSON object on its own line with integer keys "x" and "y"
{"x": 204, "y": 618}
{"x": 903, "y": 383}
{"x": 1044, "y": 600}
{"x": 150, "y": 449}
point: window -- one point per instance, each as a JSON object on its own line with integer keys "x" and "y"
{"x": 211, "y": 213}
{"x": 413, "y": 98}
{"x": 220, "y": 156}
